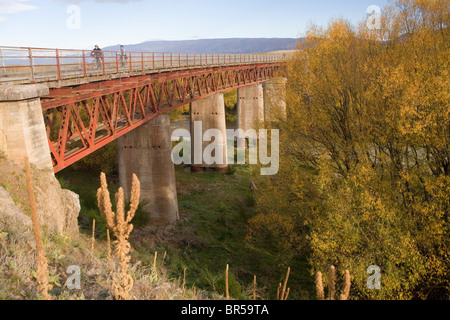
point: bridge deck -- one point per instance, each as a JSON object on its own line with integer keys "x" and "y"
{"x": 58, "y": 68}
{"x": 91, "y": 103}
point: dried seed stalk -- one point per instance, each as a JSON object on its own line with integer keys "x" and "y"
{"x": 254, "y": 287}
{"x": 108, "y": 242}
{"x": 279, "y": 291}
{"x": 42, "y": 277}
{"x": 346, "y": 289}
{"x": 184, "y": 284}
{"x": 287, "y": 293}
{"x": 319, "y": 286}
{"x": 331, "y": 285}
{"x": 283, "y": 294}
{"x": 227, "y": 293}
{"x": 331, "y": 282}
{"x": 154, "y": 260}
{"x": 93, "y": 241}
{"x": 121, "y": 226}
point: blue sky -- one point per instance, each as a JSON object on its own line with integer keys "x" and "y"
{"x": 57, "y": 24}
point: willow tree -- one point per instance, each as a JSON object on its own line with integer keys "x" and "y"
{"x": 365, "y": 151}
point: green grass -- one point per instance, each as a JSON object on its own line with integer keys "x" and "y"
{"x": 216, "y": 230}
{"x": 213, "y": 234}
{"x": 85, "y": 184}
{"x": 214, "y": 209}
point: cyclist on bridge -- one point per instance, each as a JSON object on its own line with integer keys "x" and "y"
{"x": 122, "y": 56}
{"x": 97, "y": 54}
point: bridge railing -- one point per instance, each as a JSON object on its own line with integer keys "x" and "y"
{"x": 40, "y": 64}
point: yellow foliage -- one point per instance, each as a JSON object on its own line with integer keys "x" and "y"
{"x": 365, "y": 152}
{"x": 274, "y": 232}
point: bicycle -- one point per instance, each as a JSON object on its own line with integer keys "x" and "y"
{"x": 97, "y": 63}
{"x": 123, "y": 59}
{"x": 97, "y": 54}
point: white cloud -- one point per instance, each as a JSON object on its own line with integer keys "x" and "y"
{"x": 2, "y": 19}
{"x": 14, "y": 6}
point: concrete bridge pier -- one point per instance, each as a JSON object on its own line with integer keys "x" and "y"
{"x": 146, "y": 152}
{"x": 23, "y": 135}
{"x": 208, "y": 116}
{"x": 250, "y": 110}
{"x": 22, "y": 127}
{"x": 275, "y": 99}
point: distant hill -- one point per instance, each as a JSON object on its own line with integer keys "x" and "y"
{"x": 233, "y": 45}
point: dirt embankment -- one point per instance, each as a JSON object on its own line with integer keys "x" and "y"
{"x": 58, "y": 209}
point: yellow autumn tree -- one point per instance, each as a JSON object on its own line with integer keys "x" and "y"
{"x": 365, "y": 150}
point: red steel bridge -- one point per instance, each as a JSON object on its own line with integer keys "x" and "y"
{"x": 95, "y": 101}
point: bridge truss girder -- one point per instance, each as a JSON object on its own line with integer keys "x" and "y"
{"x": 84, "y": 118}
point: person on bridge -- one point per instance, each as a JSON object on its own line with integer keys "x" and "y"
{"x": 122, "y": 56}
{"x": 97, "y": 54}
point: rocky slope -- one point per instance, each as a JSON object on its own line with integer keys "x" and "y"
{"x": 58, "y": 209}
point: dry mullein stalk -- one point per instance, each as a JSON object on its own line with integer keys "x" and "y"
{"x": 282, "y": 294}
{"x": 42, "y": 278}
{"x": 279, "y": 291}
{"x": 319, "y": 286}
{"x": 347, "y": 283}
{"x": 254, "y": 287}
{"x": 183, "y": 294}
{"x": 108, "y": 242}
{"x": 287, "y": 293}
{"x": 93, "y": 241}
{"x": 121, "y": 227}
{"x": 331, "y": 285}
{"x": 154, "y": 260}
{"x": 331, "y": 282}
{"x": 227, "y": 293}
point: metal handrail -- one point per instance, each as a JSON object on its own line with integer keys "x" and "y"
{"x": 42, "y": 64}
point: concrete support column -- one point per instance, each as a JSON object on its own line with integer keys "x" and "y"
{"x": 22, "y": 127}
{"x": 275, "y": 99}
{"x": 208, "y": 114}
{"x": 250, "y": 107}
{"x": 146, "y": 152}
